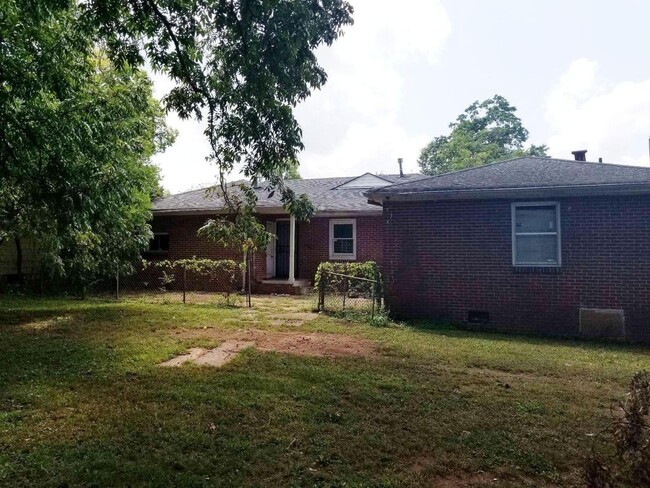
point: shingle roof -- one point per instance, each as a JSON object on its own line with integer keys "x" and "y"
{"x": 524, "y": 174}
{"x": 321, "y": 192}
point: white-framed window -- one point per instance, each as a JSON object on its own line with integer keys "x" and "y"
{"x": 536, "y": 234}
{"x": 159, "y": 243}
{"x": 343, "y": 239}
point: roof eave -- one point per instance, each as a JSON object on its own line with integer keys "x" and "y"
{"x": 524, "y": 192}
{"x": 265, "y": 211}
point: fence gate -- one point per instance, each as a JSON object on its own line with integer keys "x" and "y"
{"x": 341, "y": 293}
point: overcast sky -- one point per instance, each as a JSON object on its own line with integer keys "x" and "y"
{"x": 578, "y": 72}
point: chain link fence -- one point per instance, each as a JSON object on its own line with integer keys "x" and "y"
{"x": 181, "y": 281}
{"x": 348, "y": 295}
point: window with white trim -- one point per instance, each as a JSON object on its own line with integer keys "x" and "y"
{"x": 536, "y": 234}
{"x": 343, "y": 239}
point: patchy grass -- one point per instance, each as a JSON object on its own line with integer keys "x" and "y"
{"x": 82, "y": 401}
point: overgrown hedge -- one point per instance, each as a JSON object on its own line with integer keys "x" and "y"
{"x": 223, "y": 275}
{"x": 205, "y": 267}
{"x": 365, "y": 269}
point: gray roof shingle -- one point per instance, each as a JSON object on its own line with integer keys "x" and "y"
{"x": 322, "y": 192}
{"x": 522, "y": 174}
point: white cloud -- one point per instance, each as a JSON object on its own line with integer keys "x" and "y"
{"x": 612, "y": 121}
{"x": 352, "y": 125}
{"x": 183, "y": 165}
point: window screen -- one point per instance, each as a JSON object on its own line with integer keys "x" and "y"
{"x": 536, "y": 235}
{"x": 342, "y": 236}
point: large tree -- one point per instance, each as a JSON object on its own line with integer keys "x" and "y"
{"x": 241, "y": 64}
{"x": 486, "y": 132}
{"x": 75, "y": 143}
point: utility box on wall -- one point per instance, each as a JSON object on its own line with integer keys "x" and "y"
{"x": 600, "y": 323}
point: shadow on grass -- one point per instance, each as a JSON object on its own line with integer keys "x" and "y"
{"x": 448, "y": 329}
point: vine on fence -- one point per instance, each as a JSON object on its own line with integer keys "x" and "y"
{"x": 351, "y": 289}
{"x": 205, "y": 267}
{"x": 223, "y": 270}
{"x": 366, "y": 269}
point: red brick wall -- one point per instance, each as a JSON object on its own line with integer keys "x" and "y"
{"x": 443, "y": 259}
{"x": 313, "y": 242}
{"x": 183, "y": 241}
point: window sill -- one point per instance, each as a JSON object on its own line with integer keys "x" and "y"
{"x": 342, "y": 257}
{"x": 537, "y": 269}
{"x": 155, "y": 254}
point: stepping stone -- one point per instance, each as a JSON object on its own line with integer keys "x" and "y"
{"x": 223, "y": 354}
{"x": 194, "y": 354}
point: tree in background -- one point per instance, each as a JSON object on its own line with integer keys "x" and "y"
{"x": 75, "y": 143}
{"x": 486, "y": 132}
{"x": 292, "y": 173}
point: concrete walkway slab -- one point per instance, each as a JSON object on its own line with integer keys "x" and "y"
{"x": 223, "y": 354}
{"x": 193, "y": 355}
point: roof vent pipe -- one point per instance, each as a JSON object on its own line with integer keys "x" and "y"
{"x": 401, "y": 172}
{"x": 580, "y": 155}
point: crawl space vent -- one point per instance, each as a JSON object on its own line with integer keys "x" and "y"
{"x": 478, "y": 317}
{"x": 602, "y": 323}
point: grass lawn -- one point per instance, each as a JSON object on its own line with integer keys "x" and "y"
{"x": 83, "y": 402}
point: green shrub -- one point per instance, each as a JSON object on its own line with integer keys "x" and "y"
{"x": 366, "y": 269}
{"x": 351, "y": 290}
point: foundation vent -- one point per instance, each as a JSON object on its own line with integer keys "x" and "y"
{"x": 602, "y": 323}
{"x": 478, "y": 317}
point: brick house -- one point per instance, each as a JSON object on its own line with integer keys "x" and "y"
{"x": 560, "y": 247}
{"x": 345, "y": 227}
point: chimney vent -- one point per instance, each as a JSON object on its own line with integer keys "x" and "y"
{"x": 600, "y": 160}
{"x": 401, "y": 171}
{"x": 580, "y": 155}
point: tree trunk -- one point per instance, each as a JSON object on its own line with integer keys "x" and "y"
{"x": 19, "y": 260}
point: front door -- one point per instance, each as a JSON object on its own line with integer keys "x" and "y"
{"x": 282, "y": 249}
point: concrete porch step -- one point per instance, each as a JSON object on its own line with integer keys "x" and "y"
{"x": 282, "y": 287}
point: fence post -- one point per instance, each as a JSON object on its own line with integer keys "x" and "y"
{"x": 321, "y": 291}
{"x": 184, "y": 281}
{"x": 372, "y": 299}
{"x": 117, "y": 283}
{"x": 378, "y": 285}
{"x": 249, "y": 271}
{"x": 345, "y": 290}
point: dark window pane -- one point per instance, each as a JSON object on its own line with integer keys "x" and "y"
{"x": 343, "y": 246}
{"x": 537, "y": 250}
{"x": 164, "y": 242}
{"x": 159, "y": 242}
{"x": 343, "y": 231}
{"x": 535, "y": 219}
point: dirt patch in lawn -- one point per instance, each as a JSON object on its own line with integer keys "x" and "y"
{"x": 310, "y": 344}
{"x": 479, "y": 479}
{"x": 315, "y": 344}
{"x": 467, "y": 481}
{"x": 294, "y": 318}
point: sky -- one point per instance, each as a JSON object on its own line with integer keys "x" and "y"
{"x": 578, "y": 72}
